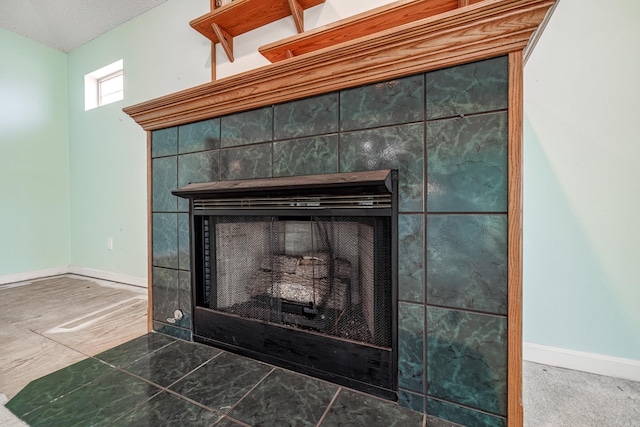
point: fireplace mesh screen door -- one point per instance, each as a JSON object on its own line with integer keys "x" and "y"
{"x": 300, "y": 272}
{"x": 318, "y": 274}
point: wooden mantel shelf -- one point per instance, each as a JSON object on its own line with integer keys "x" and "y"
{"x": 361, "y": 25}
{"x": 223, "y": 24}
{"x": 478, "y": 31}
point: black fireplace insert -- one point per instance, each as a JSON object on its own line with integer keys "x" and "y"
{"x": 300, "y": 272}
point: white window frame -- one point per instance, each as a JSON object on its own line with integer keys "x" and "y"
{"x": 92, "y": 86}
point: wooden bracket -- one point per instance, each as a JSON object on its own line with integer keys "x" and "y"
{"x": 298, "y": 14}
{"x": 463, "y": 3}
{"x": 289, "y": 54}
{"x": 225, "y": 40}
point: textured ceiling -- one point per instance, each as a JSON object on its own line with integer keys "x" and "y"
{"x": 67, "y": 24}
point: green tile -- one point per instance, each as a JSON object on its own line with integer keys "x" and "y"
{"x": 467, "y": 359}
{"x": 247, "y": 127}
{"x": 166, "y": 409}
{"x": 246, "y": 162}
{"x": 470, "y": 88}
{"x": 165, "y": 240}
{"x": 164, "y": 177}
{"x": 305, "y": 117}
{"x": 133, "y": 350}
{"x": 411, "y": 347}
{"x": 98, "y": 403}
{"x": 199, "y": 136}
{"x": 306, "y": 156}
{"x": 467, "y": 262}
{"x": 285, "y": 398}
{"x": 234, "y": 377}
{"x": 411, "y": 258}
{"x": 166, "y": 293}
{"x": 164, "y": 142}
{"x": 467, "y": 164}
{"x": 463, "y": 416}
{"x": 56, "y": 385}
{"x": 398, "y": 147}
{"x": 391, "y": 102}
{"x": 357, "y": 409}
{"x": 184, "y": 242}
{"x": 172, "y": 362}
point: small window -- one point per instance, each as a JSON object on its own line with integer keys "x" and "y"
{"x": 111, "y": 88}
{"x": 104, "y": 86}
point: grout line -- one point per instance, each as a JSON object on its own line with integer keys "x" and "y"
{"x": 251, "y": 390}
{"x": 195, "y": 369}
{"x": 326, "y": 411}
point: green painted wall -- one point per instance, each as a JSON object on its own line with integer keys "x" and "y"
{"x": 34, "y": 165}
{"x": 581, "y": 187}
{"x": 107, "y": 150}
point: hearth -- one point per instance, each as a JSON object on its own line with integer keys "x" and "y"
{"x": 300, "y": 272}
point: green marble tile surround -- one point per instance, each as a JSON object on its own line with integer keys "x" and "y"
{"x": 157, "y": 380}
{"x": 446, "y": 132}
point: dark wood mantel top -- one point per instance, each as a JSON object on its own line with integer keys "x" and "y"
{"x": 374, "y": 181}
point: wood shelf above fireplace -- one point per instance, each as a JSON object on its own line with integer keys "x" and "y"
{"x": 361, "y": 25}
{"x": 223, "y": 24}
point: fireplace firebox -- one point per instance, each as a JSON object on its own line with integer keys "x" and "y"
{"x": 301, "y": 273}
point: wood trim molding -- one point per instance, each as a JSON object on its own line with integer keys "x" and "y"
{"x": 514, "y": 354}
{"x": 482, "y": 30}
{"x": 149, "y": 236}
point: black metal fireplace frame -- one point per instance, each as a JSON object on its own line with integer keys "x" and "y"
{"x": 366, "y": 367}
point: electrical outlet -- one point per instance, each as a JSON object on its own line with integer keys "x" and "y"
{"x": 110, "y": 243}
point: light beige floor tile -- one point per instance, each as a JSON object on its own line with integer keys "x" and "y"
{"x": 52, "y": 323}
{"x": 26, "y": 356}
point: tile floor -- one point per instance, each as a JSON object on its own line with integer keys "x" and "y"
{"x": 50, "y": 323}
{"x": 156, "y": 380}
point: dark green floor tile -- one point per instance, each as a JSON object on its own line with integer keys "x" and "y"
{"x": 96, "y": 404}
{"x": 285, "y": 399}
{"x": 172, "y": 362}
{"x": 133, "y": 350}
{"x": 166, "y": 409}
{"x": 357, "y": 409}
{"x": 227, "y": 422}
{"x": 230, "y": 377}
{"x": 56, "y": 385}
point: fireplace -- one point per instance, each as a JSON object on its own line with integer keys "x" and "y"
{"x": 300, "y": 272}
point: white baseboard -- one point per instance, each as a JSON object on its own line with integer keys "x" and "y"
{"x": 110, "y": 276}
{"x": 32, "y": 275}
{"x": 72, "y": 269}
{"x": 616, "y": 367}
